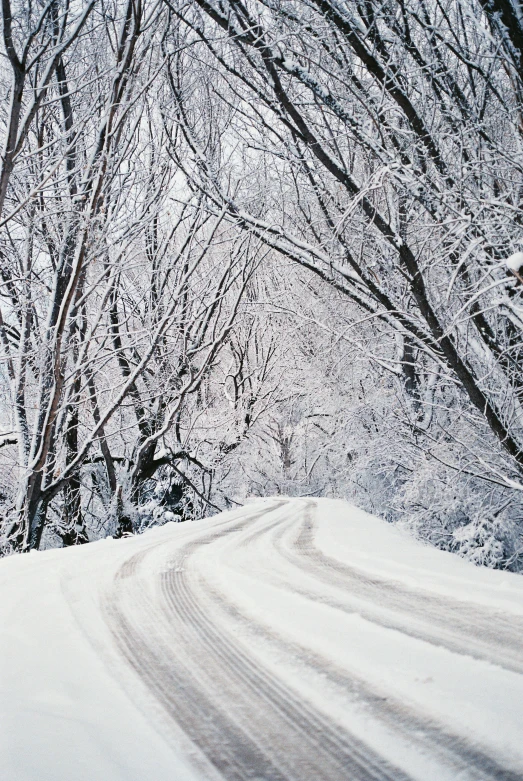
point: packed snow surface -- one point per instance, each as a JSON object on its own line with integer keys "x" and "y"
{"x": 290, "y": 639}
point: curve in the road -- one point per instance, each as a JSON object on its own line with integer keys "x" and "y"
{"x": 247, "y": 721}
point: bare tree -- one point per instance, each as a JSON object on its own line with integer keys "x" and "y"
{"x": 376, "y": 153}
{"x": 165, "y": 165}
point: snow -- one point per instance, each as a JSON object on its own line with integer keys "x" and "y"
{"x": 163, "y": 453}
{"x": 410, "y": 652}
{"x": 515, "y": 261}
{"x": 62, "y": 714}
{"x": 289, "y": 64}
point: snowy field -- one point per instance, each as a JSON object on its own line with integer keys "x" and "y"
{"x": 290, "y": 639}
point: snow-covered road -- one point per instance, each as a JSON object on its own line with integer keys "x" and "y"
{"x": 290, "y": 639}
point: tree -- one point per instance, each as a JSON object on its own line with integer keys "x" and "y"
{"x": 115, "y": 301}
{"x": 370, "y": 153}
{"x": 381, "y": 158}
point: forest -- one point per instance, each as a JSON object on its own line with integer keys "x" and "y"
{"x": 257, "y": 248}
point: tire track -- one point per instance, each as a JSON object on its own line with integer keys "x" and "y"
{"x": 285, "y": 724}
{"x": 248, "y": 724}
{"x": 453, "y": 751}
{"x": 460, "y": 627}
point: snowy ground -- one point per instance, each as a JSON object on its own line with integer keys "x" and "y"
{"x": 291, "y": 639}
